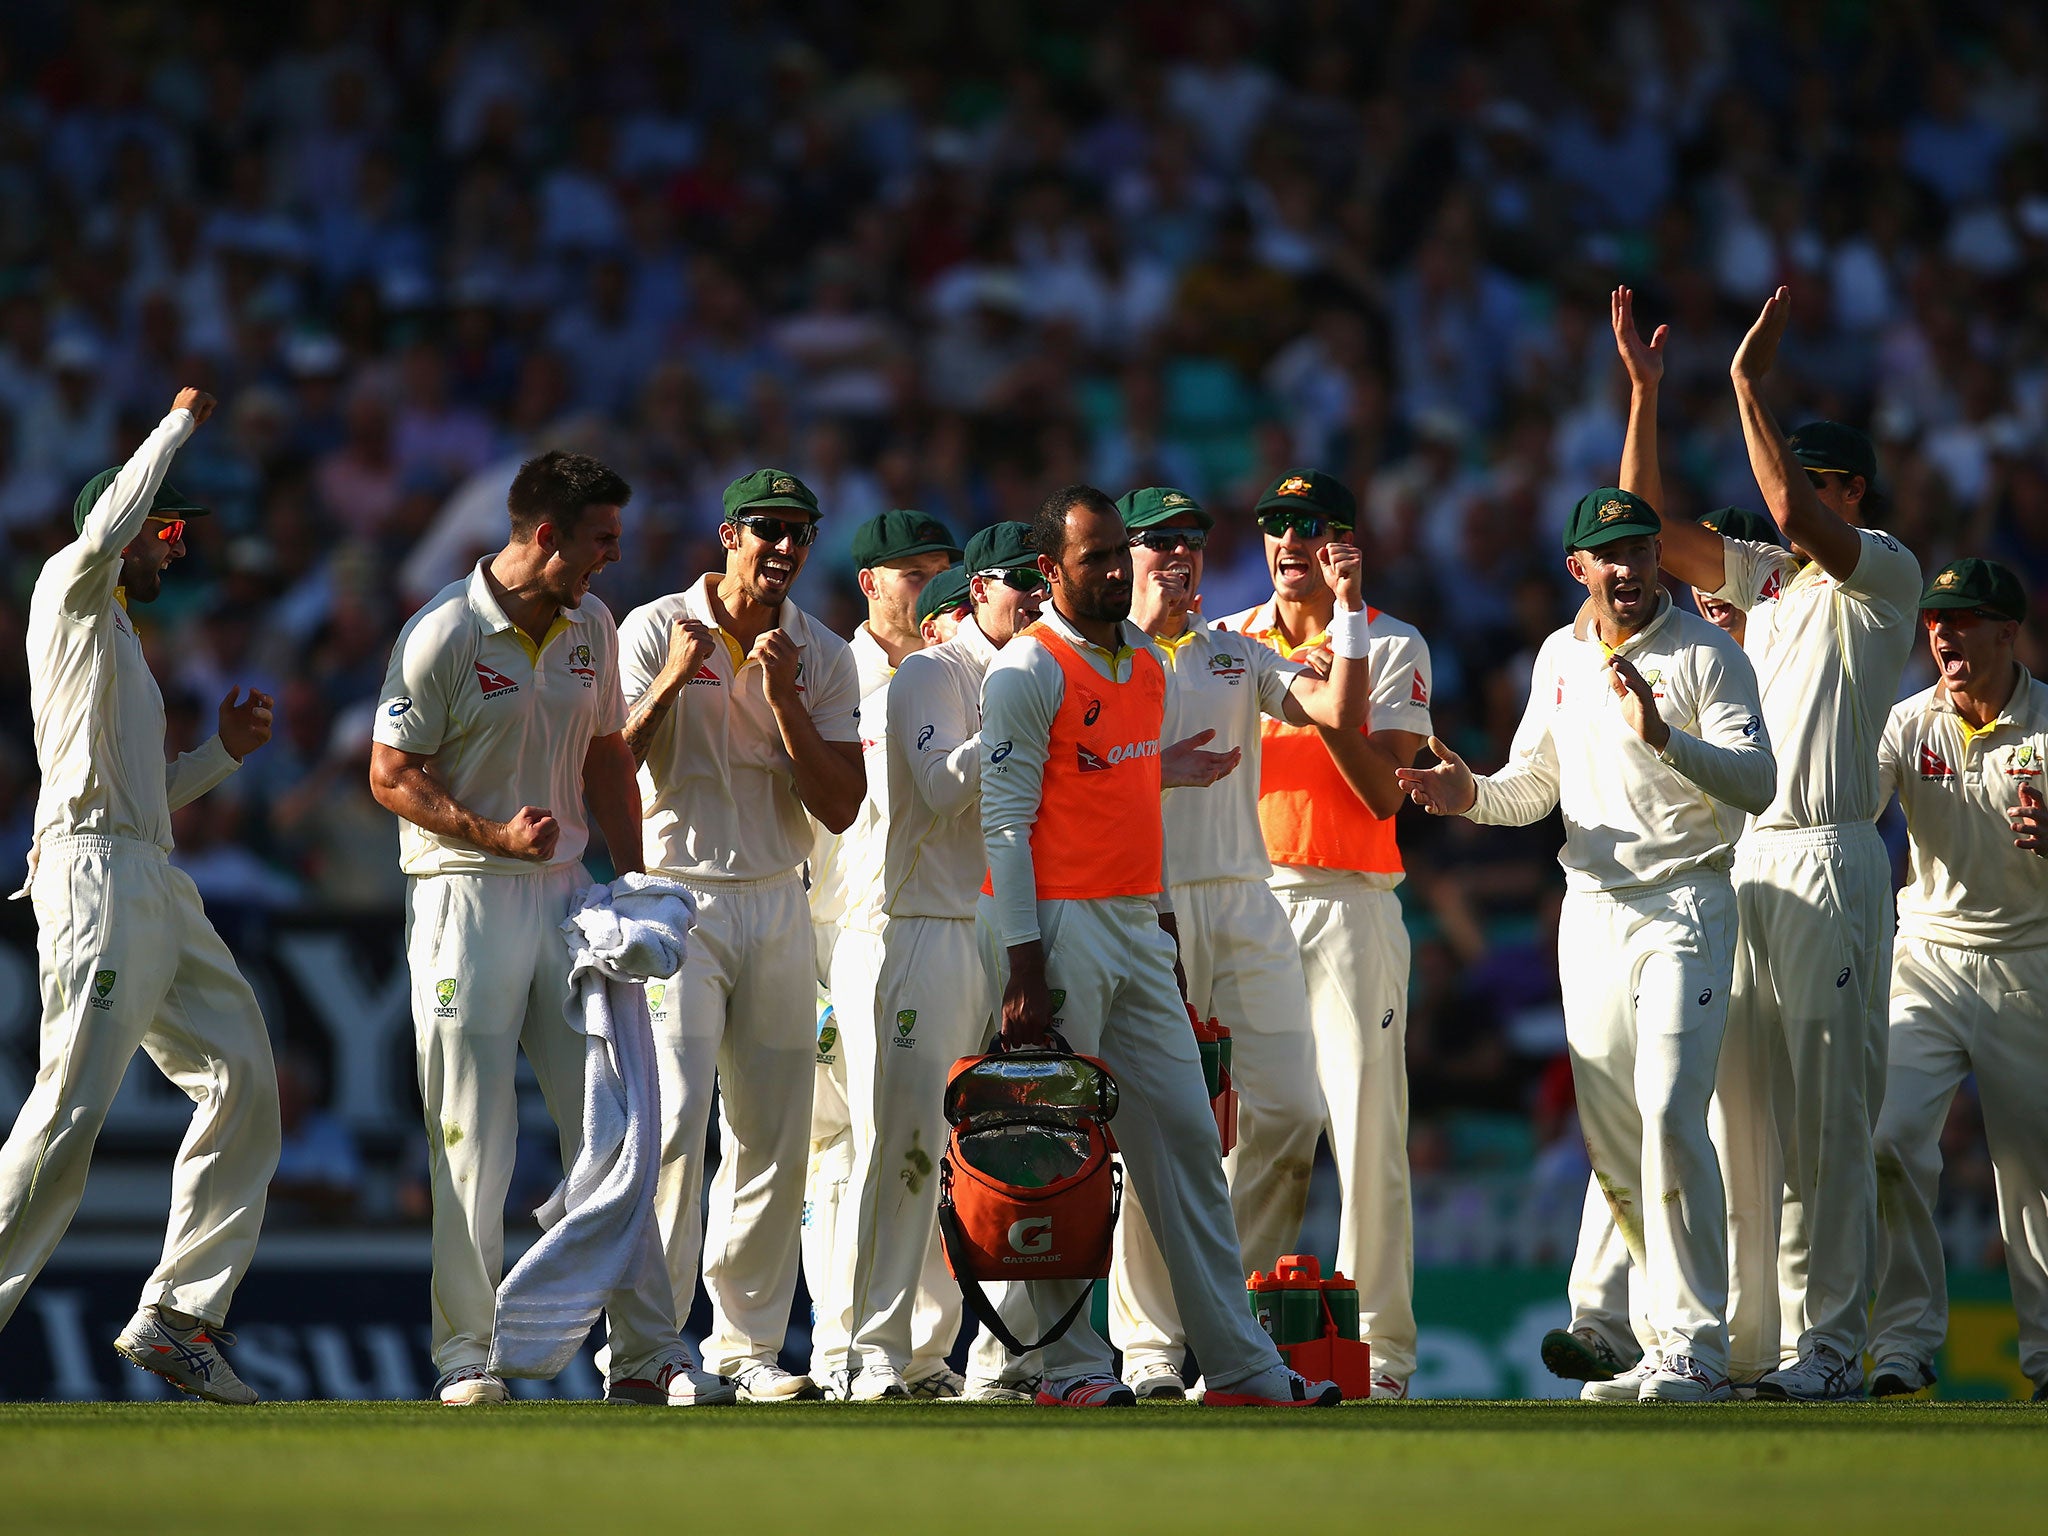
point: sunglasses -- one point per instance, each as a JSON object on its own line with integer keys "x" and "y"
{"x": 773, "y": 530}
{"x": 1961, "y": 618}
{"x": 1021, "y": 579}
{"x": 173, "y": 529}
{"x": 1162, "y": 541}
{"x": 1276, "y": 524}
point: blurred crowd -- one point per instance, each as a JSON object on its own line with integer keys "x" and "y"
{"x": 950, "y": 256}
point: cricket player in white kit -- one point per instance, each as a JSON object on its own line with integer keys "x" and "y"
{"x": 1802, "y": 1071}
{"x": 501, "y": 716}
{"x": 125, "y": 953}
{"x": 932, "y": 993}
{"x": 1242, "y": 962}
{"x": 1327, "y": 801}
{"x": 1969, "y": 968}
{"x": 1072, "y": 714}
{"x": 1644, "y": 728}
{"x": 743, "y": 712}
{"x": 897, "y": 552}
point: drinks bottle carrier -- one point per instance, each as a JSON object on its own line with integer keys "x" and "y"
{"x": 1028, "y": 1189}
{"x": 1313, "y": 1322}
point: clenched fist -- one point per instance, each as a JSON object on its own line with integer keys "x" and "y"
{"x": 245, "y": 725}
{"x": 531, "y": 834}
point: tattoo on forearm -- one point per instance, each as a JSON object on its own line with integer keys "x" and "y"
{"x": 644, "y": 722}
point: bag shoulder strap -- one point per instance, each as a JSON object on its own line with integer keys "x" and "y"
{"x": 977, "y": 1299}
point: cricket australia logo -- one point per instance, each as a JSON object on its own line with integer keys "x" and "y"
{"x": 1228, "y": 667}
{"x": 444, "y": 996}
{"x": 580, "y": 666}
{"x": 103, "y": 989}
{"x": 828, "y": 1037}
{"x": 906, "y": 1021}
{"x": 2026, "y": 762}
{"x": 657, "y": 993}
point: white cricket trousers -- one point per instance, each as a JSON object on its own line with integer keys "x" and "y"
{"x": 1645, "y": 979}
{"x": 127, "y": 958}
{"x": 1603, "y": 1281}
{"x": 1244, "y": 968}
{"x": 1954, "y": 1012}
{"x": 826, "y": 1173}
{"x": 742, "y": 1018}
{"x": 1354, "y": 957}
{"x": 1115, "y": 965}
{"x": 490, "y": 977}
{"x": 1802, "y": 1076}
{"x": 928, "y": 1013}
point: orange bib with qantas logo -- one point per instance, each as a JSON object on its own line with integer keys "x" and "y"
{"x": 1099, "y": 831}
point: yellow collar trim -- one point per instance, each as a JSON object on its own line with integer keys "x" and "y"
{"x": 1177, "y": 643}
{"x": 533, "y": 652}
{"x": 121, "y": 597}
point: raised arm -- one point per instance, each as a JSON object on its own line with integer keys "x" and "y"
{"x": 1807, "y": 524}
{"x": 690, "y": 642}
{"x": 1340, "y": 701}
{"x": 1691, "y": 553}
{"x": 831, "y": 779}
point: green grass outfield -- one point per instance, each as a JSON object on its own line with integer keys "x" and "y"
{"x": 1521, "y": 1468}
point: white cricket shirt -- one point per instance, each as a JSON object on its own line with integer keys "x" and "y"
{"x": 1828, "y": 656}
{"x": 935, "y": 859}
{"x": 718, "y": 789}
{"x": 508, "y": 723}
{"x": 1632, "y": 817}
{"x": 828, "y": 890}
{"x": 1968, "y": 885}
{"x": 99, "y": 718}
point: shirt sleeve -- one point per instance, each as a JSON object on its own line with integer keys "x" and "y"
{"x": 834, "y": 701}
{"x": 1273, "y": 673}
{"x": 1402, "y": 684}
{"x": 1525, "y": 790}
{"x": 192, "y": 774}
{"x": 1751, "y": 572}
{"x": 643, "y": 648}
{"x": 611, "y": 713}
{"x": 1886, "y": 582}
{"x": 1019, "y": 697}
{"x": 412, "y": 714}
{"x": 91, "y": 563}
{"x": 1730, "y": 757}
{"x": 935, "y": 734}
{"x": 1891, "y": 754}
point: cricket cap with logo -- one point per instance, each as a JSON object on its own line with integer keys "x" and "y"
{"x": 766, "y": 488}
{"x": 1609, "y": 514}
{"x": 1742, "y": 525}
{"x": 943, "y": 593}
{"x": 1310, "y": 490}
{"x": 1157, "y": 504}
{"x": 169, "y": 501}
{"x": 1833, "y": 448}
{"x": 1977, "y": 584}
{"x": 1002, "y": 547}
{"x": 899, "y": 534}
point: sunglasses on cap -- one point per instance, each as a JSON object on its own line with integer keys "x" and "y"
{"x": 1163, "y": 541}
{"x": 171, "y": 530}
{"x": 773, "y": 530}
{"x": 1310, "y": 526}
{"x": 1025, "y": 578}
{"x": 1962, "y": 618}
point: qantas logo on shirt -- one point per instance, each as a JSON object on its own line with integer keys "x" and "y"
{"x": 1418, "y": 691}
{"x": 1560, "y": 688}
{"x": 1774, "y": 584}
{"x": 1933, "y": 765}
{"x": 494, "y": 683}
{"x": 1128, "y": 752}
{"x": 704, "y": 674}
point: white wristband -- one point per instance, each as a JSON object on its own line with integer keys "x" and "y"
{"x": 1347, "y": 634}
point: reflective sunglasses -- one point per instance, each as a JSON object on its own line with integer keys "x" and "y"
{"x": 1962, "y": 618}
{"x": 773, "y": 530}
{"x": 1163, "y": 541}
{"x": 173, "y": 529}
{"x": 1275, "y": 525}
{"x": 1027, "y": 578}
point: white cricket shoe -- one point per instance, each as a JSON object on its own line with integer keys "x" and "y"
{"x": 188, "y": 1358}
{"x": 670, "y": 1379}
{"x": 1900, "y": 1376}
{"x": 468, "y": 1386}
{"x": 879, "y": 1383}
{"x": 838, "y": 1385}
{"x": 1821, "y": 1376}
{"x": 766, "y": 1382}
{"x": 1158, "y": 1384}
{"x": 1025, "y": 1391}
{"x": 1625, "y": 1388}
{"x": 1682, "y": 1379}
{"x": 945, "y": 1382}
{"x": 1389, "y": 1387}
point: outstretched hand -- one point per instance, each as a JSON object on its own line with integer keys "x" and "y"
{"x": 2030, "y": 822}
{"x": 1759, "y": 349}
{"x": 1644, "y": 360}
{"x": 245, "y": 723}
{"x": 1447, "y": 789}
{"x": 1638, "y": 702}
{"x": 1185, "y": 765}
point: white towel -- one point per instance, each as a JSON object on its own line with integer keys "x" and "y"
{"x": 600, "y": 1233}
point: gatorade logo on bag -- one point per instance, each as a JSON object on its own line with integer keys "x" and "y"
{"x": 1032, "y": 1235}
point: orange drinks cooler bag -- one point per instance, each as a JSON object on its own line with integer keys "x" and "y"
{"x": 1028, "y": 1189}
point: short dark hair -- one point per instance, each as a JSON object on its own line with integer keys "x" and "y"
{"x": 557, "y": 487}
{"x": 1049, "y": 523}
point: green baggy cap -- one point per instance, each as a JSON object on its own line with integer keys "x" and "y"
{"x": 1977, "y": 584}
{"x": 169, "y": 501}
{"x": 1608, "y": 514}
